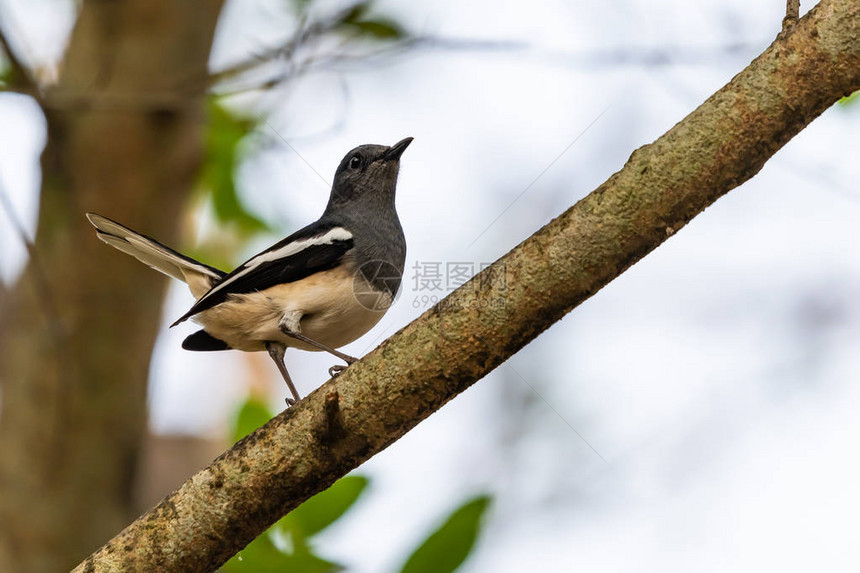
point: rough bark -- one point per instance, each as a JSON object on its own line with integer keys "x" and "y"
{"x": 74, "y": 362}
{"x": 663, "y": 185}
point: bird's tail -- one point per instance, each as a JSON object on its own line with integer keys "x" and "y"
{"x": 199, "y": 277}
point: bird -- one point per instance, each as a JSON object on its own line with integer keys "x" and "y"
{"x": 318, "y": 289}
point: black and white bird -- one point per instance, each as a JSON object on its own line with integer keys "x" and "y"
{"x": 322, "y": 287}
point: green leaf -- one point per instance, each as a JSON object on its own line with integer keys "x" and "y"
{"x": 355, "y": 13}
{"x": 262, "y": 556}
{"x": 310, "y": 563}
{"x": 300, "y": 5}
{"x": 252, "y": 414}
{"x": 447, "y": 547}
{"x": 380, "y": 29}
{"x": 851, "y": 99}
{"x": 324, "y": 508}
{"x": 218, "y": 173}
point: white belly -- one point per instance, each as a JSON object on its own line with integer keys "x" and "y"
{"x": 325, "y": 302}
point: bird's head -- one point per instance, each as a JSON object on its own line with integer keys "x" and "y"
{"x": 368, "y": 173}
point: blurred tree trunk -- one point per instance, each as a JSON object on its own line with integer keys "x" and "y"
{"x": 124, "y": 139}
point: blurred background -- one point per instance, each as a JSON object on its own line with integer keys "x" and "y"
{"x": 697, "y": 413}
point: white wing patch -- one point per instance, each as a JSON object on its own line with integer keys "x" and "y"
{"x": 336, "y": 234}
{"x": 288, "y": 250}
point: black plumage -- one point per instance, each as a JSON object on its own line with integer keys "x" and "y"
{"x": 312, "y": 259}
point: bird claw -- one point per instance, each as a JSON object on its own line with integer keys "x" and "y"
{"x": 336, "y": 370}
{"x": 289, "y": 401}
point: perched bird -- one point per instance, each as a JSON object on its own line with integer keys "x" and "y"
{"x": 322, "y": 287}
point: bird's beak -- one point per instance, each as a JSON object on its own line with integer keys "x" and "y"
{"x": 395, "y": 151}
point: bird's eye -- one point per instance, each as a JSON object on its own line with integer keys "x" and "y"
{"x": 355, "y": 162}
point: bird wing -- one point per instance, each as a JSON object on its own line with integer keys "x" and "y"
{"x": 311, "y": 250}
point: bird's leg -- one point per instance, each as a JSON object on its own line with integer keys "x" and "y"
{"x": 276, "y": 351}
{"x": 290, "y": 325}
{"x": 345, "y": 357}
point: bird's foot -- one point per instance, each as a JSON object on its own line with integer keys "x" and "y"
{"x": 336, "y": 370}
{"x": 289, "y": 401}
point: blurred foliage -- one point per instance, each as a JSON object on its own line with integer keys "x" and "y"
{"x": 300, "y": 5}
{"x": 252, "y": 414}
{"x": 447, "y": 547}
{"x": 263, "y": 556}
{"x": 325, "y": 508}
{"x": 356, "y": 21}
{"x": 215, "y": 253}
{"x": 851, "y": 99}
{"x": 7, "y": 73}
{"x": 225, "y": 130}
{"x": 288, "y": 545}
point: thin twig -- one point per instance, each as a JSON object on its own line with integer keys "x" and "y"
{"x": 303, "y": 35}
{"x": 342, "y": 60}
{"x": 41, "y": 284}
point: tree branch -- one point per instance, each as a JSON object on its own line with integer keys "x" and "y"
{"x": 663, "y": 185}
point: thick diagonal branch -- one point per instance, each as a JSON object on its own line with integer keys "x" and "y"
{"x": 663, "y": 185}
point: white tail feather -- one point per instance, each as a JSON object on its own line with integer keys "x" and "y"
{"x": 199, "y": 277}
